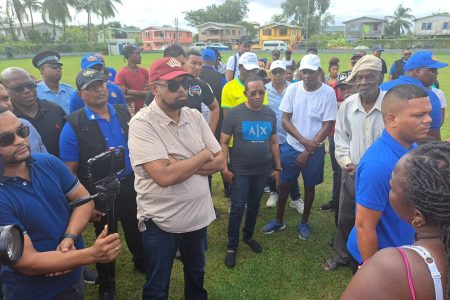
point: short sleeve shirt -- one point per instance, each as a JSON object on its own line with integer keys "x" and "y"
{"x": 251, "y": 130}
{"x": 233, "y": 94}
{"x": 309, "y": 110}
{"x": 40, "y": 208}
{"x": 183, "y": 207}
{"x": 440, "y": 94}
{"x": 62, "y": 97}
{"x": 274, "y": 104}
{"x": 136, "y": 80}
{"x": 372, "y": 191}
{"x": 48, "y": 121}
{"x": 232, "y": 64}
{"x": 36, "y": 145}
{"x": 199, "y": 92}
{"x": 115, "y": 97}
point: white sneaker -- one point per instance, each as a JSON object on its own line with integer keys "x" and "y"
{"x": 298, "y": 205}
{"x": 266, "y": 189}
{"x": 273, "y": 199}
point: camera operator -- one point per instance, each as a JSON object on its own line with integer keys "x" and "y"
{"x": 88, "y": 132}
{"x": 34, "y": 194}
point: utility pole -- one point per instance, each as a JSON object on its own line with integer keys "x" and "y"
{"x": 176, "y": 30}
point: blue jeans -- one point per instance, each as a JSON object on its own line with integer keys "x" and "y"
{"x": 244, "y": 190}
{"x": 160, "y": 248}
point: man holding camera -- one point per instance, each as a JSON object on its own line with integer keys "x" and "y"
{"x": 173, "y": 151}
{"x": 89, "y": 132}
{"x": 34, "y": 194}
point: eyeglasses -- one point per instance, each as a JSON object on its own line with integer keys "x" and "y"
{"x": 257, "y": 93}
{"x": 174, "y": 85}
{"x": 8, "y": 139}
{"x": 18, "y": 89}
{"x": 278, "y": 72}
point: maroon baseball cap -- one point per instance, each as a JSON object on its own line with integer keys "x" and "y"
{"x": 166, "y": 68}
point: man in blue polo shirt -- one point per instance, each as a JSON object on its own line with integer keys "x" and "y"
{"x": 34, "y": 194}
{"x": 116, "y": 96}
{"x": 405, "y": 110}
{"x": 89, "y": 132}
{"x": 421, "y": 70}
{"x": 50, "y": 88}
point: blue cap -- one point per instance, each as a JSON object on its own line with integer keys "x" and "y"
{"x": 423, "y": 59}
{"x": 208, "y": 55}
{"x": 378, "y": 48}
{"x": 90, "y": 60}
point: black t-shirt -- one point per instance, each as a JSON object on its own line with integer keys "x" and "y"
{"x": 383, "y": 66}
{"x": 199, "y": 92}
{"x": 251, "y": 130}
{"x": 48, "y": 121}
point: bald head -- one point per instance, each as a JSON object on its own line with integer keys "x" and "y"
{"x": 12, "y": 73}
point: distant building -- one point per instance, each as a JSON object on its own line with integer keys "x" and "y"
{"x": 41, "y": 27}
{"x": 334, "y": 29}
{"x": 157, "y": 38}
{"x": 211, "y": 32}
{"x": 290, "y": 34}
{"x": 364, "y": 28}
{"x": 117, "y": 38}
{"x": 436, "y": 26}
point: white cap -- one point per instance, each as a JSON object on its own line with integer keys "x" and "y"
{"x": 310, "y": 61}
{"x": 249, "y": 60}
{"x": 278, "y": 64}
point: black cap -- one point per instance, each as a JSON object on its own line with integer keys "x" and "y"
{"x": 358, "y": 53}
{"x": 246, "y": 40}
{"x": 312, "y": 50}
{"x": 129, "y": 49}
{"x": 88, "y": 76}
{"x": 46, "y": 57}
{"x": 276, "y": 52}
{"x": 342, "y": 77}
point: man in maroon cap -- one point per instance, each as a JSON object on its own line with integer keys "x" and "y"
{"x": 172, "y": 151}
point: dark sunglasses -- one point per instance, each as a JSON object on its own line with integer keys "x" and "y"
{"x": 174, "y": 85}
{"x": 21, "y": 87}
{"x": 259, "y": 93}
{"x": 8, "y": 139}
{"x": 278, "y": 72}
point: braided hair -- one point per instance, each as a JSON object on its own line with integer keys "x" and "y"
{"x": 428, "y": 187}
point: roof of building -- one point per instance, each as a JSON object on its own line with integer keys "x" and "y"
{"x": 120, "y": 29}
{"x": 221, "y": 25}
{"x": 436, "y": 15}
{"x": 165, "y": 28}
{"x": 364, "y": 17}
{"x": 275, "y": 24}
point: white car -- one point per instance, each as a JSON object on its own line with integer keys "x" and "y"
{"x": 218, "y": 46}
{"x": 199, "y": 46}
{"x": 361, "y": 48}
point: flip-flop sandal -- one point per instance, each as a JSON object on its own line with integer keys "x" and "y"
{"x": 330, "y": 265}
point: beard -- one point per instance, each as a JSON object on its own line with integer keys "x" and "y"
{"x": 19, "y": 158}
{"x": 178, "y": 104}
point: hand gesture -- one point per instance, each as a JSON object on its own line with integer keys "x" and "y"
{"x": 106, "y": 247}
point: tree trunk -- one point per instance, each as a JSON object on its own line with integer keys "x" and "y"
{"x": 31, "y": 16}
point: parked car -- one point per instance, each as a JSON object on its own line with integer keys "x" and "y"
{"x": 361, "y": 48}
{"x": 199, "y": 46}
{"x": 275, "y": 45}
{"x": 218, "y": 46}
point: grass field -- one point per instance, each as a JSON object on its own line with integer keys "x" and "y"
{"x": 288, "y": 268}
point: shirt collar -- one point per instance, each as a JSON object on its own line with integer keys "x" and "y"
{"x": 411, "y": 80}
{"x": 46, "y": 89}
{"x": 91, "y": 115}
{"x": 394, "y": 145}
{"x": 4, "y": 179}
{"x": 164, "y": 119}
{"x": 357, "y": 105}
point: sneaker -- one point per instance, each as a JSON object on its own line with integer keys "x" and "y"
{"x": 304, "y": 231}
{"x": 329, "y": 206}
{"x": 272, "y": 226}
{"x": 230, "y": 259}
{"x": 267, "y": 189}
{"x": 254, "y": 245}
{"x": 273, "y": 199}
{"x": 89, "y": 276}
{"x": 298, "y": 205}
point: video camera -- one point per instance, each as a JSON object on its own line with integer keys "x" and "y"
{"x": 11, "y": 244}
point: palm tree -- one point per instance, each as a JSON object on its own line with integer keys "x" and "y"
{"x": 400, "y": 20}
{"x": 89, "y": 7}
{"x": 19, "y": 11}
{"x": 32, "y": 5}
{"x": 106, "y": 9}
{"x": 56, "y": 11}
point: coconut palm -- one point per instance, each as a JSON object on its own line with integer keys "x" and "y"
{"x": 400, "y": 20}
{"x": 56, "y": 11}
{"x": 105, "y": 9}
{"x": 32, "y": 5}
{"x": 19, "y": 12}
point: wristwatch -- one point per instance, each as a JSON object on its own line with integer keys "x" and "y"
{"x": 70, "y": 236}
{"x": 278, "y": 169}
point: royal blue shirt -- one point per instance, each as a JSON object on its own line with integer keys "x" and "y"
{"x": 40, "y": 208}
{"x": 372, "y": 191}
{"x": 274, "y": 104}
{"x": 436, "y": 109}
{"x": 62, "y": 97}
{"x": 112, "y": 132}
{"x": 394, "y": 67}
{"x": 111, "y": 74}
{"x": 115, "y": 97}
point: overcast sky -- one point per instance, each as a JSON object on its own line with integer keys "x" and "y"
{"x": 143, "y": 13}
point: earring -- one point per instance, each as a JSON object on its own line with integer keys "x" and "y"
{"x": 413, "y": 223}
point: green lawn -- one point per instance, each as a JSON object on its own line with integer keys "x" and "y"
{"x": 288, "y": 268}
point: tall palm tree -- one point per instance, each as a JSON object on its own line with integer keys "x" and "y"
{"x": 56, "y": 11}
{"x": 19, "y": 11}
{"x": 32, "y": 5}
{"x": 89, "y": 7}
{"x": 400, "y": 20}
{"x": 106, "y": 9}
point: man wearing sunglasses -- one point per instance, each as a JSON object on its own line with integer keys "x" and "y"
{"x": 35, "y": 140}
{"x": 47, "y": 117}
{"x": 115, "y": 94}
{"x": 172, "y": 152}
{"x": 50, "y": 88}
{"x": 422, "y": 70}
{"x": 88, "y": 132}
{"x": 35, "y": 191}
{"x": 397, "y": 66}
{"x": 254, "y": 158}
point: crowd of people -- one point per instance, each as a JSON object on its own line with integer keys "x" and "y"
{"x": 261, "y": 125}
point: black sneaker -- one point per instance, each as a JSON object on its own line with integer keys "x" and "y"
{"x": 256, "y": 247}
{"x": 230, "y": 259}
{"x": 329, "y": 206}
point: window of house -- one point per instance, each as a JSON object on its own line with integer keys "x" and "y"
{"x": 354, "y": 28}
{"x": 283, "y": 30}
{"x": 375, "y": 27}
{"x": 233, "y": 32}
{"x": 267, "y": 31}
{"x": 426, "y": 26}
{"x": 445, "y": 25}
{"x": 147, "y": 34}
